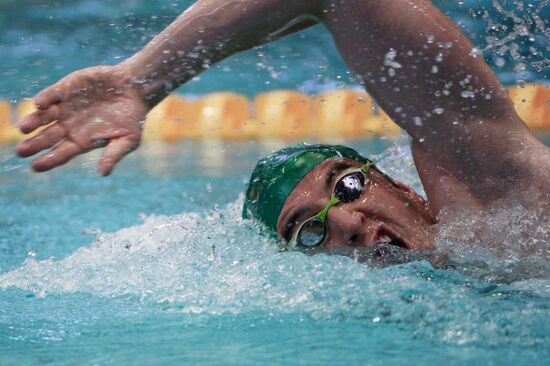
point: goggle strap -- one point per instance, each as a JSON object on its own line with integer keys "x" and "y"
{"x": 323, "y": 214}
{"x": 365, "y": 168}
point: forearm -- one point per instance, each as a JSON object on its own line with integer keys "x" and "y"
{"x": 417, "y": 64}
{"x": 412, "y": 59}
{"x": 207, "y": 32}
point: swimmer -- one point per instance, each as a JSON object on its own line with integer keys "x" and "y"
{"x": 469, "y": 146}
{"x": 323, "y": 196}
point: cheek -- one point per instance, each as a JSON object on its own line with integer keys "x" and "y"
{"x": 376, "y": 195}
{"x": 378, "y": 198}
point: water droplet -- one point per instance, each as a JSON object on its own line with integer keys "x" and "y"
{"x": 521, "y": 83}
{"x": 390, "y": 55}
{"x": 467, "y": 94}
{"x": 520, "y": 67}
{"x": 439, "y": 110}
{"x": 474, "y": 52}
{"x": 417, "y": 121}
{"x": 389, "y": 59}
{"x": 435, "y": 69}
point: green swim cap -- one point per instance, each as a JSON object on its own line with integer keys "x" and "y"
{"x": 276, "y": 175}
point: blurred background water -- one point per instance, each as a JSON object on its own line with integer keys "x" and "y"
{"x": 153, "y": 266}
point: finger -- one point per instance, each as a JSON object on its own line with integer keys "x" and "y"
{"x": 49, "y": 96}
{"x": 42, "y": 141}
{"x": 61, "y": 154}
{"x": 39, "y": 118}
{"x": 116, "y": 151}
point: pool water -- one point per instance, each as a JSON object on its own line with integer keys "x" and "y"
{"x": 153, "y": 266}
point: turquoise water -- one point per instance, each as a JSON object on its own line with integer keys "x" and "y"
{"x": 153, "y": 266}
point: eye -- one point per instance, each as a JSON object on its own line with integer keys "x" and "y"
{"x": 350, "y": 186}
{"x": 312, "y": 233}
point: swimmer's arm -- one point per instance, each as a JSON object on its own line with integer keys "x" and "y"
{"x": 207, "y": 32}
{"x": 105, "y": 106}
{"x": 101, "y": 106}
{"x": 469, "y": 144}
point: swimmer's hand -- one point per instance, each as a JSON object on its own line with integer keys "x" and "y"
{"x": 88, "y": 109}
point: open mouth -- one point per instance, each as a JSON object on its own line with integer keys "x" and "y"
{"x": 388, "y": 237}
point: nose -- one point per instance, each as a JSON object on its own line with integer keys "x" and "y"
{"x": 347, "y": 226}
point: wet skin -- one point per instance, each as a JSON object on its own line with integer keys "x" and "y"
{"x": 386, "y": 211}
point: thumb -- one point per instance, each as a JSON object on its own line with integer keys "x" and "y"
{"x": 114, "y": 151}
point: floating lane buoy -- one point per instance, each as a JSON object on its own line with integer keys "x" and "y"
{"x": 171, "y": 120}
{"x": 8, "y": 131}
{"x": 284, "y": 114}
{"x": 531, "y": 104}
{"x": 341, "y": 114}
{"x": 224, "y": 116}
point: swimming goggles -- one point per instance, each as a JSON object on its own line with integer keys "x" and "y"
{"x": 349, "y": 185}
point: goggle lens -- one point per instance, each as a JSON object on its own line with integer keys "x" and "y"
{"x": 312, "y": 233}
{"x": 350, "y": 187}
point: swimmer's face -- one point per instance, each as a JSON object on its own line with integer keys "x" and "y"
{"x": 385, "y": 211}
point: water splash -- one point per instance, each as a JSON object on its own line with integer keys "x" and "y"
{"x": 505, "y": 236}
{"x": 517, "y": 33}
{"x": 217, "y": 263}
